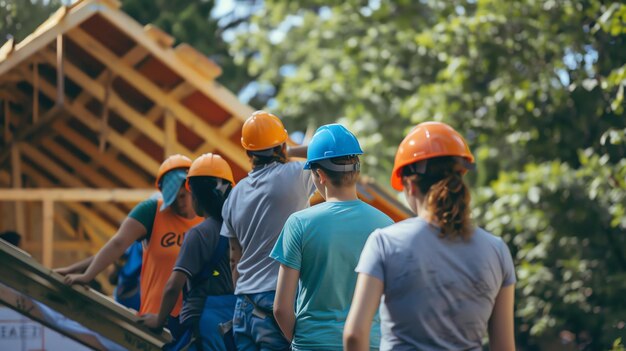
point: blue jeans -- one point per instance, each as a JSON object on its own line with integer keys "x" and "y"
{"x": 254, "y": 325}
{"x": 218, "y": 310}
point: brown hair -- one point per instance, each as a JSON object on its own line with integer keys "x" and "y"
{"x": 278, "y": 155}
{"x": 340, "y": 179}
{"x": 447, "y": 196}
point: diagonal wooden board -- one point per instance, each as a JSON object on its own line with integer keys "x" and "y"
{"x": 91, "y": 309}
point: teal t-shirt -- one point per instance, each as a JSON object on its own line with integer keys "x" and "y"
{"x": 144, "y": 213}
{"x": 324, "y": 243}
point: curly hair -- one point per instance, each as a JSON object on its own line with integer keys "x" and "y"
{"x": 447, "y": 196}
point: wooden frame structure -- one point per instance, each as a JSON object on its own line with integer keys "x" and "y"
{"x": 94, "y": 100}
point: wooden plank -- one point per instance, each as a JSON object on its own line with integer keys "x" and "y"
{"x": 220, "y": 95}
{"x": 134, "y": 56}
{"x": 35, "y": 92}
{"x": 94, "y": 311}
{"x": 7, "y": 48}
{"x": 16, "y": 169}
{"x": 182, "y": 113}
{"x": 197, "y": 61}
{"x": 28, "y": 307}
{"x": 170, "y": 135}
{"x": 183, "y": 89}
{"x": 57, "y": 24}
{"x": 76, "y": 195}
{"x": 60, "y": 76}
{"x": 160, "y": 37}
{"x": 48, "y": 233}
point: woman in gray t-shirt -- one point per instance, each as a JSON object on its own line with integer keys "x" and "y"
{"x": 442, "y": 281}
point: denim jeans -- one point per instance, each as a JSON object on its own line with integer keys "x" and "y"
{"x": 254, "y": 326}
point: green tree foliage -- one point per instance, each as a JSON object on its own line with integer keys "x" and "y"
{"x": 190, "y": 21}
{"x": 18, "y": 18}
{"x": 537, "y": 88}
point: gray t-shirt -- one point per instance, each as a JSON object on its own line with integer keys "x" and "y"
{"x": 438, "y": 293}
{"x": 195, "y": 254}
{"x": 255, "y": 213}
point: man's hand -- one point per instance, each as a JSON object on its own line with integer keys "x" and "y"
{"x": 151, "y": 321}
{"x": 73, "y": 279}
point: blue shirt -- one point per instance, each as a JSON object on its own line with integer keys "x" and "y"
{"x": 324, "y": 243}
{"x": 438, "y": 293}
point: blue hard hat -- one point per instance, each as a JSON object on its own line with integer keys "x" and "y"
{"x": 330, "y": 141}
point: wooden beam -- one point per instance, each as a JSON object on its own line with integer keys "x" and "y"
{"x": 60, "y": 76}
{"x": 220, "y": 95}
{"x": 182, "y": 113}
{"x": 134, "y": 56}
{"x": 182, "y": 90}
{"x": 196, "y": 60}
{"x": 16, "y": 169}
{"x": 160, "y": 37}
{"x": 170, "y": 135}
{"x": 90, "y": 120}
{"x": 105, "y": 109}
{"x": 48, "y": 233}
{"x": 35, "y": 92}
{"x": 76, "y": 195}
{"x": 45, "y": 34}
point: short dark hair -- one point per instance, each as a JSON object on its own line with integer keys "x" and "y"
{"x": 278, "y": 155}
{"x": 210, "y": 199}
{"x": 340, "y": 179}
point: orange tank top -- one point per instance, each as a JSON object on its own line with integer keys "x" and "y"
{"x": 159, "y": 257}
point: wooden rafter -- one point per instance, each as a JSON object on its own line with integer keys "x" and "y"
{"x": 76, "y": 194}
{"x": 90, "y": 120}
{"x": 222, "y": 96}
{"x": 120, "y": 170}
{"x": 158, "y": 96}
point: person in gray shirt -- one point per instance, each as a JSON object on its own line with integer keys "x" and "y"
{"x": 442, "y": 281}
{"x": 254, "y": 216}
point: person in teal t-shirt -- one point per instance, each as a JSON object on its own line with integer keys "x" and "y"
{"x": 319, "y": 247}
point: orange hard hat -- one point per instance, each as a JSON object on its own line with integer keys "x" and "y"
{"x": 170, "y": 163}
{"x": 262, "y": 131}
{"x": 210, "y": 165}
{"x": 428, "y": 140}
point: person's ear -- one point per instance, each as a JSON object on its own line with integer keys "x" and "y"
{"x": 409, "y": 186}
{"x": 321, "y": 175}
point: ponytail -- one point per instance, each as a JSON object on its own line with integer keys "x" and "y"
{"x": 447, "y": 196}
